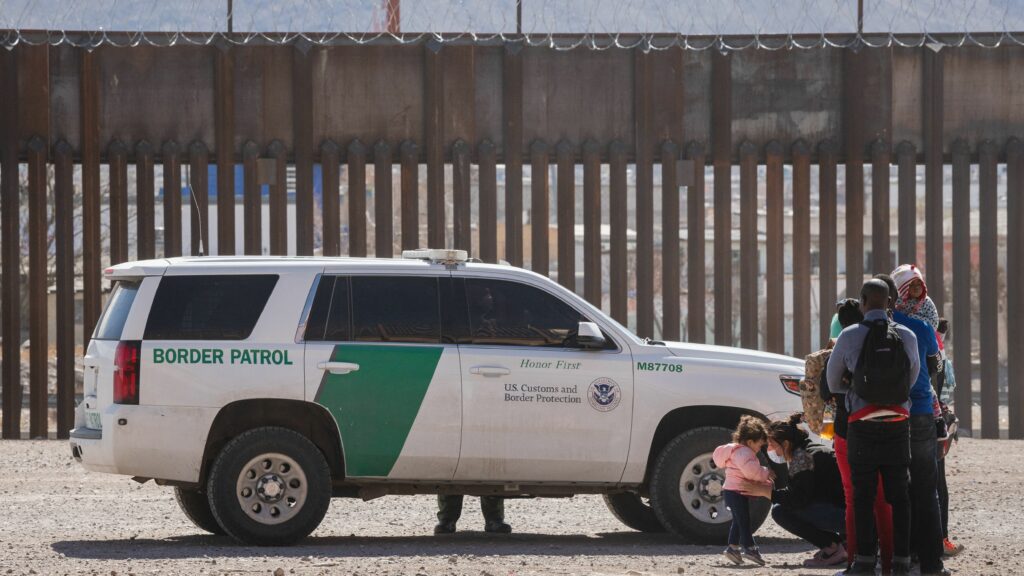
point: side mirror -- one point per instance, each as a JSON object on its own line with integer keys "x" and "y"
{"x": 588, "y": 335}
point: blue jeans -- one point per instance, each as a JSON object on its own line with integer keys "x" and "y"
{"x": 739, "y": 531}
{"x": 819, "y": 523}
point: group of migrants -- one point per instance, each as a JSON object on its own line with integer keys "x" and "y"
{"x": 878, "y": 494}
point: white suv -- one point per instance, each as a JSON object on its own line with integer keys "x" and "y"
{"x": 259, "y": 388}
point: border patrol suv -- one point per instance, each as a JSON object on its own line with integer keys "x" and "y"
{"x": 260, "y": 388}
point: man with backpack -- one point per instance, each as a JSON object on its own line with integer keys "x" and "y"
{"x": 883, "y": 360}
{"x": 925, "y": 512}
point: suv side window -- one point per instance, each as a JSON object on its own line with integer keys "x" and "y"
{"x": 454, "y": 316}
{"x": 316, "y": 323}
{"x": 329, "y": 316}
{"x": 514, "y": 314}
{"x": 395, "y": 309}
{"x": 339, "y": 320}
{"x": 208, "y": 307}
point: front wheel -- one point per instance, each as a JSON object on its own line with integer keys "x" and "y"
{"x": 686, "y": 488}
{"x": 631, "y": 510}
{"x": 269, "y": 487}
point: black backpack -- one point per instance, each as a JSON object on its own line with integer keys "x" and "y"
{"x": 883, "y": 371}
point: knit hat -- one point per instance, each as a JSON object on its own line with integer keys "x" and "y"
{"x": 903, "y": 275}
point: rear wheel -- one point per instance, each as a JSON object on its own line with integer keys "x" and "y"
{"x": 631, "y": 509}
{"x": 196, "y": 507}
{"x": 686, "y": 488}
{"x": 269, "y": 487}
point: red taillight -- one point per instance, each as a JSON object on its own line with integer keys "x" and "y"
{"x": 126, "y": 371}
{"x": 791, "y": 383}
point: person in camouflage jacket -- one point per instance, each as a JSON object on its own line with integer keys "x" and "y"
{"x": 811, "y": 388}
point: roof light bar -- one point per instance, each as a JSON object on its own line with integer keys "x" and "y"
{"x": 437, "y": 255}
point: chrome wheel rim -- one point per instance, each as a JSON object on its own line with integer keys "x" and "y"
{"x": 271, "y": 488}
{"x": 700, "y": 489}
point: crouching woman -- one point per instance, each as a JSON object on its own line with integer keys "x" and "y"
{"x": 811, "y": 506}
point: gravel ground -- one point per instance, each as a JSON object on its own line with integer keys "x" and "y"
{"x": 60, "y": 519}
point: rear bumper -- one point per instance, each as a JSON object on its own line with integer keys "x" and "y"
{"x": 80, "y": 436}
{"x": 165, "y": 442}
{"x": 86, "y": 434}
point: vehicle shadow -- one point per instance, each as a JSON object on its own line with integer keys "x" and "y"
{"x": 463, "y": 543}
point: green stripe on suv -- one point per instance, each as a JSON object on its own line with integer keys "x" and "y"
{"x": 376, "y": 405}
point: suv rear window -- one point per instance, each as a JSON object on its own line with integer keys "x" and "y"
{"x": 208, "y": 307}
{"x": 119, "y": 304}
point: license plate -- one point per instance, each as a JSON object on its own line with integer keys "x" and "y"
{"x": 92, "y": 420}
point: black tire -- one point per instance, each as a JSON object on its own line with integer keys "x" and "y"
{"x": 632, "y": 511}
{"x": 196, "y": 507}
{"x": 290, "y": 468}
{"x": 692, "y": 520}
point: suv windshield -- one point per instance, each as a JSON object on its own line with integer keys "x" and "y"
{"x": 119, "y": 304}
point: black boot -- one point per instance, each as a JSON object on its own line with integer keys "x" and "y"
{"x": 444, "y": 528}
{"x": 493, "y": 508}
{"x": 449, "y": 509}
{"x": 497, "y": 527}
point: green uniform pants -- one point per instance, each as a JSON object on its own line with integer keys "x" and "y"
{"x": 449, "y": 508}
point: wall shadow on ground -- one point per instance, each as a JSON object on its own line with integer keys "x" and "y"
{"x": 463, "y": 544}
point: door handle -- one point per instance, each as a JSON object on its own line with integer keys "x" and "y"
{"x": 338, "y": 367}
{"x": 490, "y": 371}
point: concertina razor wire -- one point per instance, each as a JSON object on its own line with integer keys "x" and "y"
{"x": 724, "y": 25}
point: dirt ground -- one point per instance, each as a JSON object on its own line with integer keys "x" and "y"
{"x": 59, "y": 519}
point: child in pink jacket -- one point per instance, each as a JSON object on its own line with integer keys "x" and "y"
{"x": 739, "y": 460}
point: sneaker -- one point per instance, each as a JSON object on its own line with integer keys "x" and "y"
{"x": 822, "y": 559}
{"x": 899, "y": 569}
{"x": 444, "y": 528}
{"x": 949, "y": 549}
{"x": 754, "y": 555}
{"x": 858, "y": 569}
{"x": 733, "y": 554}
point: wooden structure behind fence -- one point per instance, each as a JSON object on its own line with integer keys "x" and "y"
{"x": 507, "y": 105}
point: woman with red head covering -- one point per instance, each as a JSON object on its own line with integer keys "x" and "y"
{"x": 913, "y": 299}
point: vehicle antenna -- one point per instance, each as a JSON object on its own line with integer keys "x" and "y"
{"x": 195, "y": 202}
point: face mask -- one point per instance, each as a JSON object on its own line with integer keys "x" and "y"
{"x": 776, "y": 457}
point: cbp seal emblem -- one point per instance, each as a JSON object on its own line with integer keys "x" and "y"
{"x": 604, "y": 395}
